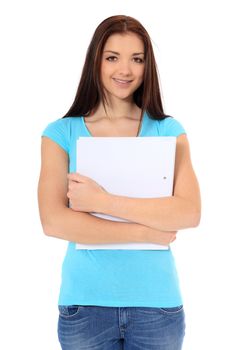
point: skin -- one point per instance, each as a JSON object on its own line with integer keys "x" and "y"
{"x": 121, "y": 119}
{"x": 122, "y": 60}
{"x": 169, "y": 213}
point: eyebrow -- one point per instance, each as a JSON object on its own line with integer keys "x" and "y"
{"x": 117, "y": 53}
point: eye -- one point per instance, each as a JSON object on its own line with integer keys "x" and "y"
{"x": 138, "y": 60}
{"x": 111, "y": 58}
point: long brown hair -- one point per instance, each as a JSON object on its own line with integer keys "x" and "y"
{"x": 90, "y": 89}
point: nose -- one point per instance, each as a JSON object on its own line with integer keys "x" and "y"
{"x": 124, "y": 68}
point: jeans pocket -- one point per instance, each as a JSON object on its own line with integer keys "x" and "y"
{"x": 68, "y": 310}
{"x": 171, "y": 310}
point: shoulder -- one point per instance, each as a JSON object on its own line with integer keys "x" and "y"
{"x": 59, "y": 124}
{"x": 59, "y": 131}
{"x": 171, "y": 127}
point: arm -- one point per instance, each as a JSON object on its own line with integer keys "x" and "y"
{"x": 180, "y": 211}
{"x": 62, "y": 222}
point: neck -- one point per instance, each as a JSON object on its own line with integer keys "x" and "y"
{"x": 117, "y": 109}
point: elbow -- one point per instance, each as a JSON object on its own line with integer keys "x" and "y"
{"x": 195, "y": 217}
{"x": 47, "y": 229}
{"x": 45, "y": 223}
{"x": 52, "y": 231}
{"x": 196, "y": 220}
{"x": 49, "y": 225}
{"x": 51, "y": 222}
{"x": 46, "y": 220}
{"x": 189, "y": 216}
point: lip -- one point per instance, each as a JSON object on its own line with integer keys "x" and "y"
{"x": 122, "y": 82}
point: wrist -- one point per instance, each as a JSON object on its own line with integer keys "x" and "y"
{"x": 103, "y": 202}
{"x": 143, "y": 233}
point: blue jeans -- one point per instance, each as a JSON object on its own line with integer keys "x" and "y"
{"x": 120, "y": 328}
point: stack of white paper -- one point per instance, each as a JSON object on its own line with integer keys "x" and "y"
{"x": 128, "y": 166}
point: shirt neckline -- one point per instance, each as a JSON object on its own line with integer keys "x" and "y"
{"x": 139, "y": 134}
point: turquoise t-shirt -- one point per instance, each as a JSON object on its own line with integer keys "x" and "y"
{"x": 118, "y": 278}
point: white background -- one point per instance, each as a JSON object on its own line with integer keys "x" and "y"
{"x": 201, "y": 49}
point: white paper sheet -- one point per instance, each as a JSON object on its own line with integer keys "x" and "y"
{"x": 129, "y": 166}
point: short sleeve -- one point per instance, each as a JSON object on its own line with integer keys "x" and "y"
{"x": 171, "y": 127}
{"x": 58, "y": 131}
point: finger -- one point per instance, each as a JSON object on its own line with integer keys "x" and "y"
{"x": 76, "y": 177}
{"x": 70, "y": 184}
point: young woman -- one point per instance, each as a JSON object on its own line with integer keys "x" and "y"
{"x": 116, "y": 299}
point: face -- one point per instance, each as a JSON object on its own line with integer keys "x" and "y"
{"x": 122, "y": 65}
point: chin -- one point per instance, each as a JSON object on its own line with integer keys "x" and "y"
{"x": 126, "y": 97}
{"x": 120, "y": 96}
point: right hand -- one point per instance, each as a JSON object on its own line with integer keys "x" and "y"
{"x": 160, "y": 237}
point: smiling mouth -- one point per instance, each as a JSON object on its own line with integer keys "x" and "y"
{"x": 122, "y": 81}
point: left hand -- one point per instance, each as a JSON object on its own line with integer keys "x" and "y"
{"x": 84, "y": 193}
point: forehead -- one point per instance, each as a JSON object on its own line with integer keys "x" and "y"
{"x": 128, "y": 41}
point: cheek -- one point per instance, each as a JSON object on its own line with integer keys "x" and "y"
{"x": 140, "y": 72}
{"x": 103, "y": 72}
{"x": 140, "y": 75}
{"x": 106, "y": 70}
{"x": 106, "y": 77}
